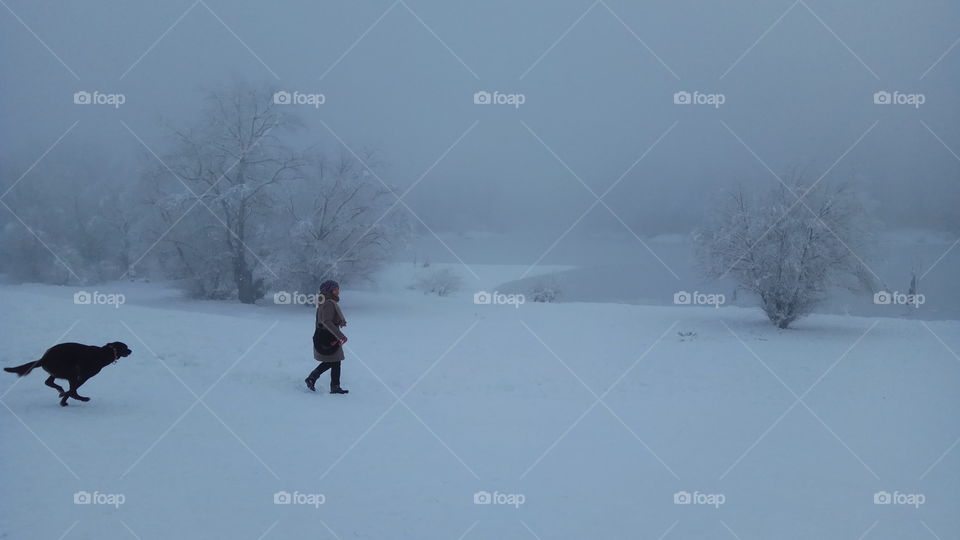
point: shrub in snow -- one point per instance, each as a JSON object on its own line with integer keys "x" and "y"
{"x": 544, "y": 290}
{"x": 789, "y": 246}
{"x": 441, "y": 282}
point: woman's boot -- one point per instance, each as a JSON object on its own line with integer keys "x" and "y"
{"x": 335, "y": 380}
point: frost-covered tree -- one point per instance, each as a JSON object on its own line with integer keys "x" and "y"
{"x": 789, "y": 252}
{"x": 339, "y": 222}
{"x": 227, "y": 210}
{"x": 225, "y": 170}
{"x": 67, "y": 217}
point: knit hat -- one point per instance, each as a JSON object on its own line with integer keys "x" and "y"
{"x": 328, "y": 286}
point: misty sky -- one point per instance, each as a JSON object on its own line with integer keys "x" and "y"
{"x": 598, "y": 79}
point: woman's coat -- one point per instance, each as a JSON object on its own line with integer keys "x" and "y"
{"x": 330, "y": 317}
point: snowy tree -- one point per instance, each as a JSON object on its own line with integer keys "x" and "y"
{"x": 788, "y": 246}
{"x": 230, "y": 164}
{"x": 340, "y": 223}
{"x": 65, "y": 223}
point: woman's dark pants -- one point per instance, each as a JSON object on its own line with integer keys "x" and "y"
{"x": 334, "y": 368}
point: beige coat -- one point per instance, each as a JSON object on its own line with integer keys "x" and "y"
{"x": 330, "y": 317}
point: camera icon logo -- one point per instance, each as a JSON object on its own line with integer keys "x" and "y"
{"x": 281, "y": 97}
{"x": 482, "y": 297}
{"x": 882, "y": 98}
{"x": 682, "y": 298}
{"x": 682, "y": 497}
{"x": 882, "y": 497}
{"x": 882, "y": 298}
{"x": 282, "y": 297}
{"x": 482, "y": 98}
{"x": 682, "y": 98}
{"x": 82, "y": 297}
{"x": 82, "y": 98}
{"x": 482, "y": 497}
{"x": 82, "y": 497}
{"x": 282, "y": 497}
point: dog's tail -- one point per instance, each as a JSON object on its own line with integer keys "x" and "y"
{"x": 24, "y": 369}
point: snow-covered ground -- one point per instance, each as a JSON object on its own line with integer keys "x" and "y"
{"x": 594, "y": 416}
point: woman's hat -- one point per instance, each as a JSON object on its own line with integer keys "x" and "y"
{"x": 328, "y": 286}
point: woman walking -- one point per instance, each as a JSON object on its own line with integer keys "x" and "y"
{"x": 328, "y": 340}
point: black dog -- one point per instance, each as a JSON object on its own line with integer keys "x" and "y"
{"x": 74, "y": 362}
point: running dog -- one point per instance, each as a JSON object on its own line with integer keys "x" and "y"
{"x": 74, "y": 362}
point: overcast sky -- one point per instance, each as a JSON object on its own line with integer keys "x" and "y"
{"x": 797, "y": 81}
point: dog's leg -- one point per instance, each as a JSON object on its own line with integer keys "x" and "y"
{"x": 50, "y": 382}
{"x": 72, "y": 392}
{"x": 77, "y": 387}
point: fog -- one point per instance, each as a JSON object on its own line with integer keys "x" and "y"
{"x": 592, "y": 253}
{"x": 598, "y": 81}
